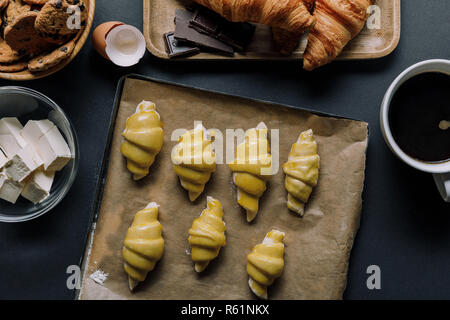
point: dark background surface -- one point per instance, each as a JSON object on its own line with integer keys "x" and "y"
{"x": 405, "y": 225}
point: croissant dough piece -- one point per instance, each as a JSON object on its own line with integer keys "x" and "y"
{"x": 290, "y": 15}
{"x": 252, "y": 168}
{"x": 338, "y": 22}
{"x": 143, "y": 246}
{"x": 302, "y": 172}
{"x": 144, "y": 138}
{"x": 207, "y": 235}
{"x": 266, "y": 263}
{"x": 194, "y": 161}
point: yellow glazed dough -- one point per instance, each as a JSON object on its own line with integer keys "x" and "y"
{"x": 252, "y": 168}
{"x": 207, "y": 235}
{"x": 194, "y": 161}
{"x": 302, "y": 172}
{"x": 144, "y": 138}
{"x": 265, "y": 263}
{"x": 143, "y": 246}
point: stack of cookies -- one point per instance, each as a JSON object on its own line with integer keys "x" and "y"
{"x": 39, "y": 34}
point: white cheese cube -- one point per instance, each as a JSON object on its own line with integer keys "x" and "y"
{"x": 3, "y": 160}
{"x": 9, "y": 145}
{"x": 10, "y": 190}
{"x": 13, "y": 127}
{"x": 23, "y": 164}
{"x": 34, "y": 130}
{"x": 38, "y": 187}
{"x": 54, "y": 150}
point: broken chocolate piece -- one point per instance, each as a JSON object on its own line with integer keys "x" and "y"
{"x": 236, "y": 34}
{"x": 186, "y": 34}
{"x": 176, "y": 49}
{"x": 207, "y": 21}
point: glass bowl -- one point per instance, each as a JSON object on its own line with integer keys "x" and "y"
{"x": 27, "y": 104}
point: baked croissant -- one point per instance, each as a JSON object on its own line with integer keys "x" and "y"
{"x": 287, "y": 41}
{"x": 265, "y": 263}
{"x": 252, "y": 168}
{"x": 143, "y": 246}
{"x": 302, "y": 172}
{"x": 338, "y": 22}
{"x": 194, "y": 161}
{"x": 290, "y": 15}
{"x": 207, "y": 235}
{"x": 144, "y": 138}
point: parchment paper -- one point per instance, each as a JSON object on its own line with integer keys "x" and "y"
{"x": 317, "y": 246}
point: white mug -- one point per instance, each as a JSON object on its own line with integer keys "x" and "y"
{"x": 440, "y": 171}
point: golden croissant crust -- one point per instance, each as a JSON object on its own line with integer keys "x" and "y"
{"x": 302, "y": 172}
{"x": 207, "y": 235}
{"x": 337, "y": 22}
{"x": 252, "y": 168}
{"x": 266, "y": 263}
{"x": 287, "y": 41}
{"x": 194, "y": 161}
{"x": 144, "y": 138}
{"x": 143, "y": 246}
{"x": 291, "y": 15}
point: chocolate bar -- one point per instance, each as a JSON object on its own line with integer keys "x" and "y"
{"x": 186, "y": 34}
{"x": 176, "y": 49}
{"x": 236, "y": 34}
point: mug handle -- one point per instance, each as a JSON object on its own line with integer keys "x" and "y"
{"x": 443, "y": 183}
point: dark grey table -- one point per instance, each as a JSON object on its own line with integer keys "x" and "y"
{"x": 405, "y": 225}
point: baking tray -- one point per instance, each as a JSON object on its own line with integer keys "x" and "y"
{"x": 88, "y": 266}
{"x": 369, "y": 44}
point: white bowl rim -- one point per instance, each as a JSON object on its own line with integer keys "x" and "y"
{"x": 414, "y": 70}
{"x": 72, "y": 136}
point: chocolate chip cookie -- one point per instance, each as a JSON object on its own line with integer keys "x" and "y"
{"x": 57, "y": 20}
{"x": 36, "y": 2}
{"x": 14, "y": 67}
{"x": 15, "y": 9}
{"x": 8, "y": 54}
{"x": 47, "y": 61}
{"x": 22, "y": 36}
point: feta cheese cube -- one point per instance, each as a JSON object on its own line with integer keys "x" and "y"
{"x": 34, "y": 130}
{"x": 24, "y": 163}
{"x": 9, "y": 145}
{"x": 38, "y": 187}
{"x": 10, "y": 190}
{"x": 54, "y": 150}
{"x": 3, "y": 160}
{"x": 13, "y": 127}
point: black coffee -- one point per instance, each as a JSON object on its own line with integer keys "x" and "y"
{"x": 419, "y": 114}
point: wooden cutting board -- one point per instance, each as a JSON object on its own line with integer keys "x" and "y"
{"x": 369, "y": 44}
